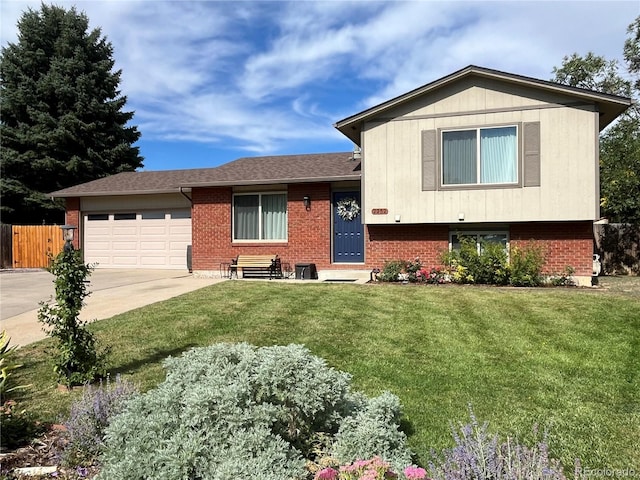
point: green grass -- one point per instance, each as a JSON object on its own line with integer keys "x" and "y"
{"x": 567, "y": 360}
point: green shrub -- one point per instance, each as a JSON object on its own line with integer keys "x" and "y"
{"x": 489, "y": 266}
{"x": 492, "y": 266}
{"x": 7, "y": 367}
{"x": 391, "y": 271}
{"x": 564, "y": 279}
{"x": 231, "y": 410}
{"x": 526, "y": 265}
{"x": 17, "y": 427}
{"x": 78, "y": 360}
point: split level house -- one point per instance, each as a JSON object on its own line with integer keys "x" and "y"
{"x": 481, "y": 153}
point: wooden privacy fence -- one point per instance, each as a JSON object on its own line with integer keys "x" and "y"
{"x": 32, "y": 246}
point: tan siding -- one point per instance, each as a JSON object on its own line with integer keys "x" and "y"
{"x": 567, "y": 175}
{"x": 133, "y": 202}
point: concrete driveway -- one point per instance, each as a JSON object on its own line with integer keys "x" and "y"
{"x": 112, "y": 292}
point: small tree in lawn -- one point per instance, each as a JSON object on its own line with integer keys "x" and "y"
{"x": 78, "y": 360}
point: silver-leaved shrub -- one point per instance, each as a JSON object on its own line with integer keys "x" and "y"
{"x": 368, "y": 433}
{"x": 236, "y": 411}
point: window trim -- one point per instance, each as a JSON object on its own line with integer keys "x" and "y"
{"x": 478, "y": 186}
{"x": 260, "y": 195}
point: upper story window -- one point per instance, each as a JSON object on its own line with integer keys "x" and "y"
{"x": 480, "y": 156}
{"x": 260, "y": 217}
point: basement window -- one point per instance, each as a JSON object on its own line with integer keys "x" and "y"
{"x": 480, "y": 239}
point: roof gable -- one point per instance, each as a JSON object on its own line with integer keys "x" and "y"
{"x": 609, "y": 106}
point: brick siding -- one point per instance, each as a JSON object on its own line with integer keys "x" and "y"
{"x": 565, "y": 244}
{"x": 406, "y": 242}
{"x": 309, "y": 236}
{"x": 309, "y": 233}
{"x": 73, "y": 217}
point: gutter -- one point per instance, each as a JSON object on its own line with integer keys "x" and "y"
{"x": 273, "y": 181}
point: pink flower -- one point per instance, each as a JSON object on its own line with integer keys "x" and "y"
{"x": 415, "y": 473}
{"x": 326, "y": 474}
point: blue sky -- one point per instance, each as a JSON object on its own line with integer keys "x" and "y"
{"x": 212, "y": 81}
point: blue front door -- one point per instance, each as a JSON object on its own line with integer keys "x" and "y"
{"x": 348, "y": 230}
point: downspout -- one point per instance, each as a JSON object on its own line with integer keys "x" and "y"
{"x": 186, "y": 196}
{"x": 189, "y": 247}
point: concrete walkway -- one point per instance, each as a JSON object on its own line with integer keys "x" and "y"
{"x": 112, "y": 292}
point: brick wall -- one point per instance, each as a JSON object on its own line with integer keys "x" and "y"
{"x": 566, "y": 244}
{"x": 72, "y": 217}
{"x": 211, "y": 227}
{"x": 309, "y": 236}
{"x": 406, "y": 242}
{"x": 308, "y": 230}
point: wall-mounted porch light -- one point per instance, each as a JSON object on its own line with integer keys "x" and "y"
{"x": 307, "y": 202}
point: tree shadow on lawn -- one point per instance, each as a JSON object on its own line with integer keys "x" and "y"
{"x": 154, "y": 357}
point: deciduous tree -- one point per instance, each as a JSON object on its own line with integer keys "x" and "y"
{"x": 620, "y": 143}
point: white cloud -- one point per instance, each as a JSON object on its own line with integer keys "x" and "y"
{"x": 261, "y": 75}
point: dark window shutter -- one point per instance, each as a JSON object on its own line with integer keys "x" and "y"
{"x": 429, "y": 156}
{"x": 531, "y": 141}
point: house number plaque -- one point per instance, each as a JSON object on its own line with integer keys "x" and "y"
{"x": 379, "y": 211}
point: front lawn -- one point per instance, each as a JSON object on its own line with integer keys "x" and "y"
{"x": 567, "y": 360}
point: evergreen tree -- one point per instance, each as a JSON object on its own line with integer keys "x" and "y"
{"x": 62, "y": 118}
{"x": 620, "y": 143}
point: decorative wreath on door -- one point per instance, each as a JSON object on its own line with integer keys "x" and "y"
{"x": 348, "y": 208}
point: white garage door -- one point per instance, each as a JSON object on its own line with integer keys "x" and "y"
{"x": 147, "y": 239}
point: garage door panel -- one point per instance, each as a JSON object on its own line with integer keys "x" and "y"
{"x": 126, "y": 246}
{"x": 99, "y": 230}
{"x": 176, "y": 244}
{"x": 104, "y": 259}
{"x": 100, "y": 245}
{"x": 129, "y": 261}
{"x": 152, "y": 246}
{"x": 177, "y": 261}
{"x": 153, "y": 240}
{"x": 153, "y": 261}
{"x": 160, "y": 230}
{"x": 121, "y": 231}
{"x": 180, "y": 230}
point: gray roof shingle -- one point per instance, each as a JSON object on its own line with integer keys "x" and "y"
{"x": 321, "y": 167}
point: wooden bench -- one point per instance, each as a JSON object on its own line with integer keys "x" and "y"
{"x": 258, "y": 266}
